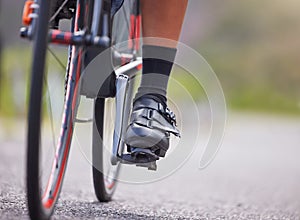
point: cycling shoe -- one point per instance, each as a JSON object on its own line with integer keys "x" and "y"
{"x": 148, "y": 133}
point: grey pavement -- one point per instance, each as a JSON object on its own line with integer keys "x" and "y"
{"x": 255, "y": 175}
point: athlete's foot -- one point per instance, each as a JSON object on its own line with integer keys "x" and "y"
{"x": 148, "y": 133}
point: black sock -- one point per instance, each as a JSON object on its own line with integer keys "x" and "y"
{"x": 157, "y": 66}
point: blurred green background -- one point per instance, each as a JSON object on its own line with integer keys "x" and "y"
{"x": 253, "y": 47}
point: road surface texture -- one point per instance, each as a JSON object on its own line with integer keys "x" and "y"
{"x": 255, "y": 175}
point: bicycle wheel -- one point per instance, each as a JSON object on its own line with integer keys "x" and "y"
{"x": 52, "y": 108}
{"x": 126, "y": 26}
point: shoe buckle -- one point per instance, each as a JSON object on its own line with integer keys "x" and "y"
{"x": 161, "y": 108}
{"x": 149, "y": 124}
{"x": 171, "y": 116}
{"x": 148, "y": 118}
{"x": 149, "y": 114}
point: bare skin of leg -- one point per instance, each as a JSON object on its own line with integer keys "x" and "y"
{"x": 162, "y": 19}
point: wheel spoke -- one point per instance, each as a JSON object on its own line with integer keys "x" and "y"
{"x": 56, "y": 58}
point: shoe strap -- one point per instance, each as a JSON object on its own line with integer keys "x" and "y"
{"x": 152, "y": 104}
{"x": 151, "y": 118}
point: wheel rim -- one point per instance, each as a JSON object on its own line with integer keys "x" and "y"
{"x": 56, "y": 136}
{"x": 58, "y": 105}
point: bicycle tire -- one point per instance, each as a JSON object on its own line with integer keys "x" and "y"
{"x": 100, "y": 187}
{"x": 41, "y": 201}
{"x": 104, "y": 183}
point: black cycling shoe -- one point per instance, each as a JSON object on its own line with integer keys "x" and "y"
{"x": 148, "y": 133}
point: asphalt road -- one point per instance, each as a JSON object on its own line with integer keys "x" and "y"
{"x": 256, "y": 175}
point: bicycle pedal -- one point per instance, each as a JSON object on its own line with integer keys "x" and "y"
{"x": 141, "y": 158}
{"x": 145, "y": 155}
{"x": 85, "y": 120}
{"x": 150, "y": 166}
{"x": 161, "y": 152}
{"x": 128, "y": 159}
{"x": 138, "y": 159}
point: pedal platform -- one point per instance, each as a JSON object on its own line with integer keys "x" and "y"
{"x": 141, "y": 158}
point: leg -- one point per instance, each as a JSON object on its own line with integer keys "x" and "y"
{"x": 161, "y": 19}
{"x": 151, "y": 122}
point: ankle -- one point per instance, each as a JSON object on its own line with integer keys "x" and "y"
{"x": 157, "y": 97}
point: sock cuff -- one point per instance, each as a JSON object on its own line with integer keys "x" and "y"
{"x": 160, "y": 53}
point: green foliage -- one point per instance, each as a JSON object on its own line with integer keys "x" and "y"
{"x": 254, "y": 49}
{"x": 15, "y": 79}
{"x": 183, "y": 85}
{"x": 15, "y": 68}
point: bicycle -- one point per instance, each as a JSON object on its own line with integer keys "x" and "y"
{"x": 96, "y": 27}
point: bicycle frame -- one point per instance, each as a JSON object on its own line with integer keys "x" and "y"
{"x": 99, "y": 36}
{"x": 83, "y": 37}
{"x": 89, "y": 39}
{"x": 96, "y": 40}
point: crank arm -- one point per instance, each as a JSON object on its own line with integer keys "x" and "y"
{"x": 118, "y": 143}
